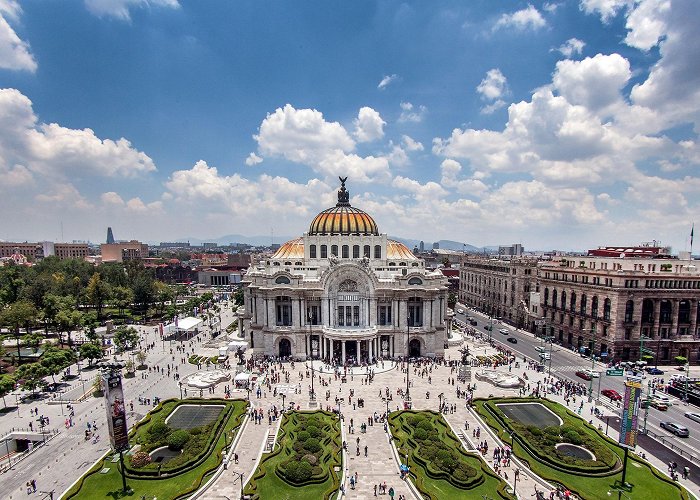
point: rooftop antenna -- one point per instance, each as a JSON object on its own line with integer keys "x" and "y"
{"x": 62, "y": 231}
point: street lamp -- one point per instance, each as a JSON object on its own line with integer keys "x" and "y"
{"x": 283, "y": 396}
{"x": 239, "y": 475}
{"x": 408, "y": 357}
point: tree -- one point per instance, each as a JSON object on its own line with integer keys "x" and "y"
{"x": 90, "y": 324}
{"x": 122, "y": 298}
{"x": 141, "y": 358}
{"x": 33, "y": 340}
{"x": 7, "y": 385}
{"x": 143, "y": 292}
{"x": 126, "y": 338}
{"x": 238, "y": 297}
{"x": 16, "y": 315}
{"x": 91, "y": 351}
{"x": 31, "y": 375}
{"x": 54, "y": 360}
{"x": 681, "y": 360}
{"x": 451, "y": 300}
{"x": 162, "y": 295}
{"x": 178, "y": 291}
{"x": 97, "y": 293}
{"x": 68, "y": 319}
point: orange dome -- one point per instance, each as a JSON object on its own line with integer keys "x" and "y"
{"x": 343, "y": 219}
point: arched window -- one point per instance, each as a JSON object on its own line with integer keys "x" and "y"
{"x": 594, "y": 306}
{"x": 377, "y": 251}
{"x": 584, "y": 299}
{"x": 647, "y": 311}
{"x": 415, "y": 311}
{"x": 346, "y": 252}
{"x": 282, "y": 280}
{"x": 324, "y": 252}
{"x": 334, "y": 250}
{"x": 563, "y": 301}
{"x": 665, "y": 311}
{"x": 392, "y": 264}
{"x": 312, "y": 251}
{"x": 356, "y": 251}
{"x": 554, "y": 299}
{"x": 415, "y": 281}
{"x": 366, "y": 251}
{"x": 629, "y": 311}
{"x": 572, "y": 302}
{"x": 546, "y": 296}
{"x": 606, "y": 309}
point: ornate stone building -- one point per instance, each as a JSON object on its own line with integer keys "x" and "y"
{"x": 624, "y": 308}
{"x": 344, "y": 292}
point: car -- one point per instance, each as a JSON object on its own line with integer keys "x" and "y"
{"x": 472, "y": 322}
{"x": 652, "y": 370}
{"x": 662, "y": 398}
{"x": 693, "y": 416}
{"x": 655, "y": 403}
{"x": 540, "y": 348}
{"x": 583, "y": 375}
{"x": 675, "y": 428}
{"x": 545, "y": 356}
{"x": 512, "y": 340}
{"x": 504, "y": 331}
{"x": 592, "y": 373}
{"x": 460, "y": 311}
{"x": 612, "y": 394}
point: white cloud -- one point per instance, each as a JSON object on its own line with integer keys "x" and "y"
{"x": 524, "y": 19}
{"x": 493, "y": 86}
{"x": 253, "y": 159}
{"x": 450, "y": 177}
{"x": 58, "y": 152}
{"x": 112, "y": 198}
{"x": 64, "y": 195}
{"x": 15, "y": 53}
{"x": 550, "y": 7}
{"x": 606, "y": 8}
{"x": 410, "y": 144}
{"x": 427, "y": 192}
{"x": 15, "y": 176}
{"x": 369, "y": 125}
{"x": 573, "y": 46}
{"x": 119, "y": 9}
{"x": 358, "y": 168}
{"x": 647, "y": 23}
{"x": 410, "y": 113}
{"x": 386, "y": 81}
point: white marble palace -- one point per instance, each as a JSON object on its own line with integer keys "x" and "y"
{"x": 345, "y": 293}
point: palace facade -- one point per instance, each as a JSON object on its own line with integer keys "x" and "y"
{"x": 345, "y": 293}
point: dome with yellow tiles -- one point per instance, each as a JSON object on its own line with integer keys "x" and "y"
{"x": 343, "y": 218}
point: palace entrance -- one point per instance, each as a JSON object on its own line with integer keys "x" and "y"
{"x": 414, "y": 348}
{"x": 285, "y": 348}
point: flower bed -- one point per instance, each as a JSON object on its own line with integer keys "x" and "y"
{"x": 303, "y": 465}
{"x": 438, "y": 464}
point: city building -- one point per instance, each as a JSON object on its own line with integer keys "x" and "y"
{"x": 514, "y": 250}
{"x": 110, "y": 236}
{"x": 624, "y": 307}
{"x": 123, "y": 251}
{"x": 343, "y": 291}
{"x": 37, "y": 251}
{"x": 220, "y": 276}
{"x": 503, "y": 288}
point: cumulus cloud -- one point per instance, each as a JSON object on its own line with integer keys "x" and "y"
{"x": 112, "y": 198}
{"x": 607, "y": 9}
{"x": 119, "y": 9}
{"x": 492, "y": 88}
{"x": 450, "y": 171}
{"x": 253, "y": 159}
{"x": 528, "y": 18}
{"x": 386, "y": 81}
{"x": 64, "y": 195}
{"x": 369, "y": 125}
{"x": 15, "y": 53}
{"x": 411, "y": 145}
{"x": 56, "y": 151}
{"x": 573, "y": 46}
{"x": 411, "y": 113}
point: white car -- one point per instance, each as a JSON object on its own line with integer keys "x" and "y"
{"x": 544, "y": 356}
{"x": 693, "y": 416}
{"x": 539, "y": 348}
{"x": 592, "y": 373}
{"x": 504, "y": 331}
{"x": 662, "y": 398}
{"x": 460, "y": 311}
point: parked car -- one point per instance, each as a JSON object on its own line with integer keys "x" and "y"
{"x": 539, "y": 348}
{"x": 693, "y": 416}
{"x": 612, "y": 394}
{"x": 472, "y": 322}
{"x": 592, "y": 373}
{"x": 675, "y": 428}
{"x": 652, "y": 370}
{"x": 504, "y": 331}
{"x": 512, "y": 340}
{"x": 655, "y": 403}
{"x": 583, "y": 375}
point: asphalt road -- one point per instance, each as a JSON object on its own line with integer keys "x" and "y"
{"x": 565, "y": 363}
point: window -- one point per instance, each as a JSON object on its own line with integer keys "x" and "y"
{"x": 572, "y": 302}
{"x": 312, "y": 251}
{"x": 313, "y": 314}
{"x": 584, "y": 299}
{"x": 346, "y": 252}
{"x": 356, "y": 315}
{"x": 606, "y": 309}
{"x": 377, "y": 251}
{"x": 546, "y": 296}
{"x": 356, "y": 251}
{"x": 415, "y": 311}
{"x": 415, "y": 281}
{"x": 324, "y": 252}
{"x": 282, "y": 280}
{"x": 341, "y": 315}
{"x": 283, "y": 310}
{"x": 629, "y": 311}
{"x": 594, "y": 306}
{"x": 384, "y": 314}
{"x": 334, "y": 250}
{"x": 366, "y": 251}
{"x": 554, "y": 299}
{"x": 563, "y": 301}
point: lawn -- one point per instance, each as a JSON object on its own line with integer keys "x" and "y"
{"x": 593, "y": 483}
{"x": 96, "y": 485}
{"x": 304, "y": 462}
{"x": 439, "y": 466}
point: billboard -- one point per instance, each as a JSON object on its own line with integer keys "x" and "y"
{"x": 116, "y": 411}
{"x": 630, "y": 412}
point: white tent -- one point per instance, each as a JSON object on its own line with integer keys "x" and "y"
{"x": 238, "y": 344}
{"x": 188, "y": 323}
{"x": 242, "y": 379}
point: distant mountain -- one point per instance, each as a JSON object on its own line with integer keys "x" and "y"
{"x": 446, "y": 244}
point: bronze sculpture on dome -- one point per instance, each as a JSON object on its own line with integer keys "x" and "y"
{"x": 343, "y": 194}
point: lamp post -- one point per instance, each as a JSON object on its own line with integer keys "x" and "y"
{"x": 408, "y": 356}
{"x": 283, "y": 396}
{"x": 239, "y": 475}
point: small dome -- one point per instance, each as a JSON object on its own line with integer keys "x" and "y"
{"x": 343, "y": 219}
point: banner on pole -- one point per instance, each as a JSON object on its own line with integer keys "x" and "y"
{"x": 630, "y": 413}
{"x": 116, "y": 410}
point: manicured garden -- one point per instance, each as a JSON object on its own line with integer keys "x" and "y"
{"x": 304, "y": 463}
{"x": 439, "y": 466}
{"x": 196, "y": 453}
{"x": 590, "y": 478}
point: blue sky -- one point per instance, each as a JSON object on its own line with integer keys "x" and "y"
{"x": 554, "y": 124}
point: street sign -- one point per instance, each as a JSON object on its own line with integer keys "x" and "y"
{"x": 615, "y": 373}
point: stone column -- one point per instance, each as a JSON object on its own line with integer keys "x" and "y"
{"x": 342, "y": 359}
{"x": 370, "y": 345}
{"x": 357, "y": 346}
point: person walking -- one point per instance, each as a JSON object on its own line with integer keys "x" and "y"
{"x": 391, "y": 493}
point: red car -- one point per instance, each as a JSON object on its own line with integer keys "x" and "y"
{"x": 583, "y": 375}
{"x": 612, "y": 394}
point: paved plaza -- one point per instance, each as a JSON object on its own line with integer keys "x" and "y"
{"x": 68, "y": 455}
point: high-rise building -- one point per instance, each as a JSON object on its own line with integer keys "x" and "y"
{"x": 422, "y": 246}
{"x": 110, "y": 236}
{"x": 123, "y": 251}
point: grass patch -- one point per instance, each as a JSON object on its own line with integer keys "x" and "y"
{"x": 439, "y": 465}
{"x": 303, "y": 465}
{"x": 592, "y": 483}
{"x": 171, "y": 485}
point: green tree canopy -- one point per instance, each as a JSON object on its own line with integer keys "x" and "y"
{"x": 7, "y": 385}
{"x": 31, "y": 375}
{"x": 97, "y": 293}
{"x": 91, "y": 351}
{"x": 126, "y": 338}
{"x": 17, "y": 315}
